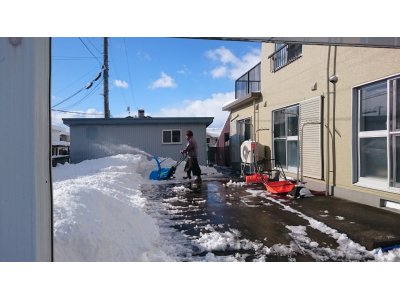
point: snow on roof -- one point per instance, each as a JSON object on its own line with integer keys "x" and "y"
{"x": 59, "y": 143}
{"x": 59, "y": 129}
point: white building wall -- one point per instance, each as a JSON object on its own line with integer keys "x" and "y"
{"x": 25, "y": 179}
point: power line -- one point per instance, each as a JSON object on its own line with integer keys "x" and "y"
{"x": 89, "y": 50}
{"x": 129, "y": 71}
{"x": 76, "y": 80}
{"x": 72, "y": 57}
{"x": 76, "y": 112}
{"x": 86, "y": 87}
{"x": 117, "y": 75}
{"x": 66, "y": 99}
{"x": 86, "y": 96}
{"x": 93, "y": 45}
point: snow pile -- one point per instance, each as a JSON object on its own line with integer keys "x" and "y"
{"x": 234, "y": 183}
{"x": 221, "y": 241}
{"x": 98, "y": 212}
{"x": 391, "y": 256}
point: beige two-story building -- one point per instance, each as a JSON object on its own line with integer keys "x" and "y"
{"x": 329, "y": 114}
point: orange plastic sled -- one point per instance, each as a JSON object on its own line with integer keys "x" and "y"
{"x": 256, "y": 178}
{"x": 279, "y": 187}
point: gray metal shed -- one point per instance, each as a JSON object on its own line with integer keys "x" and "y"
{"x": 98, "y": 137}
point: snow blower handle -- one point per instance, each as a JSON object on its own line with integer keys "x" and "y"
{"x": 183, "y": 157}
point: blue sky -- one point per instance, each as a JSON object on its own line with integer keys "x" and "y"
{"x": 164, "y": 76}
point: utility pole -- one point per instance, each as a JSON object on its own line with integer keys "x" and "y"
{"x": 106, "y": 108}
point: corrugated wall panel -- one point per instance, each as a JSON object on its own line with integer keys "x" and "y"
{"x": 25, "y": 185}
{"x": 95, "y": 141}
{"x": 311, "y": 111}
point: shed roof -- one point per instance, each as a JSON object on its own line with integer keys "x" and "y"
{"x": 136, "y": 121}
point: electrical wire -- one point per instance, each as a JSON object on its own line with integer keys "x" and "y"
{"x": 86, "y": 87}
{"x": 77, "y": 112}
{"x": 63, "y": 89}
{"x": 66, "y": 99}
{"x": 117, "y": 76}
{"x": 86, "y": 96}
{"x": 90, "y": 50}
{"x": 72, "y": 57}
{"x": 94, "y": 46}
{"x": 129, "y": 71}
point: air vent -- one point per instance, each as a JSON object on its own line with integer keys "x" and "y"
{"x": 390, "y": 204}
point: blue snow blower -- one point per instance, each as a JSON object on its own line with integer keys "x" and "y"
{"x": 164, "y": 173}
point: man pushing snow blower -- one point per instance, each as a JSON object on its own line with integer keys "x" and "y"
{"x": 164, "y": 173}
{"x": 192, "y": 165}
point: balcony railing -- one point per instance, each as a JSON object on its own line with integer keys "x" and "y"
{"x": 249, "y": 82}
{"x": 284, "y": 55}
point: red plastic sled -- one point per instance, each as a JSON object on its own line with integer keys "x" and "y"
{"x": 256, "y": 178}
{"x": 279, "y": 187}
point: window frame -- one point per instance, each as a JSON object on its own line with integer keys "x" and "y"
{"x": 287, "y": 138}
{"x": 388, "y": 184}
{"x": 171, "y": 132}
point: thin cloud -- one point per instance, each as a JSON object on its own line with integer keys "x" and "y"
{"x": 184, "y": 71}
{"x": 165, "y": 81}
{"x": 143, "y": 56}
{"x": 230, "y": 65}
{"x": 121, "y": 84}
{"x": 219, "y": 72}
{"x": 210, "y": 107}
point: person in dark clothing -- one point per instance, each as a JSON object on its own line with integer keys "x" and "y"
{"x": 192, "y": 164}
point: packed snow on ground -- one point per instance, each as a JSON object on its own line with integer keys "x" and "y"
{"x": 101, "y": 214}
{"x": 347, "y": 248}
{"x": 99, "y": 210}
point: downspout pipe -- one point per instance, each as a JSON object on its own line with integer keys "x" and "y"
{"x": 327, "y": 152}
{"x": 334, "y": 119}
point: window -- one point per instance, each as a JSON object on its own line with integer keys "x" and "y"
{"x": 208, "y": 140}
{"x": 285, "y": 137}
{"x": 244, "y": 130}
{"x": 378, "y": 134}
{"x": 226, "y": 139}
{"x": 171, "y": 136}
{"x": 284, "y": 54}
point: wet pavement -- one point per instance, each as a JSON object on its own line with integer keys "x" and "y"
{"x": 221, "y": 221}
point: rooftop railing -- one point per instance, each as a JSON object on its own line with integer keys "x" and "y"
{"x": 284, "y": 55}
{"x": 249, "y": 82}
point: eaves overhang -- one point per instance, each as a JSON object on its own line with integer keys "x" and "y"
{"x": 138, "y": 121}
{"x": 242, "y": 101}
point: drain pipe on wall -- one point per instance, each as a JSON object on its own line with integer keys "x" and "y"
{"x": 327, "y": 172}
{"x": 334, "y": 79}
{"x": 254, "y": 120}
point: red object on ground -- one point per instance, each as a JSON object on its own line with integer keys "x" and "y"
{"x": 257, "y": 178}
{"x": 279, "y": 187}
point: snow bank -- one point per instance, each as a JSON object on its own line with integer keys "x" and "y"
{"x": 389, "y": 256}
{"x": 98, "y": 212}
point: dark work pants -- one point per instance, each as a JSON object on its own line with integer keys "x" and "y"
{"x": 192, "y": 165}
